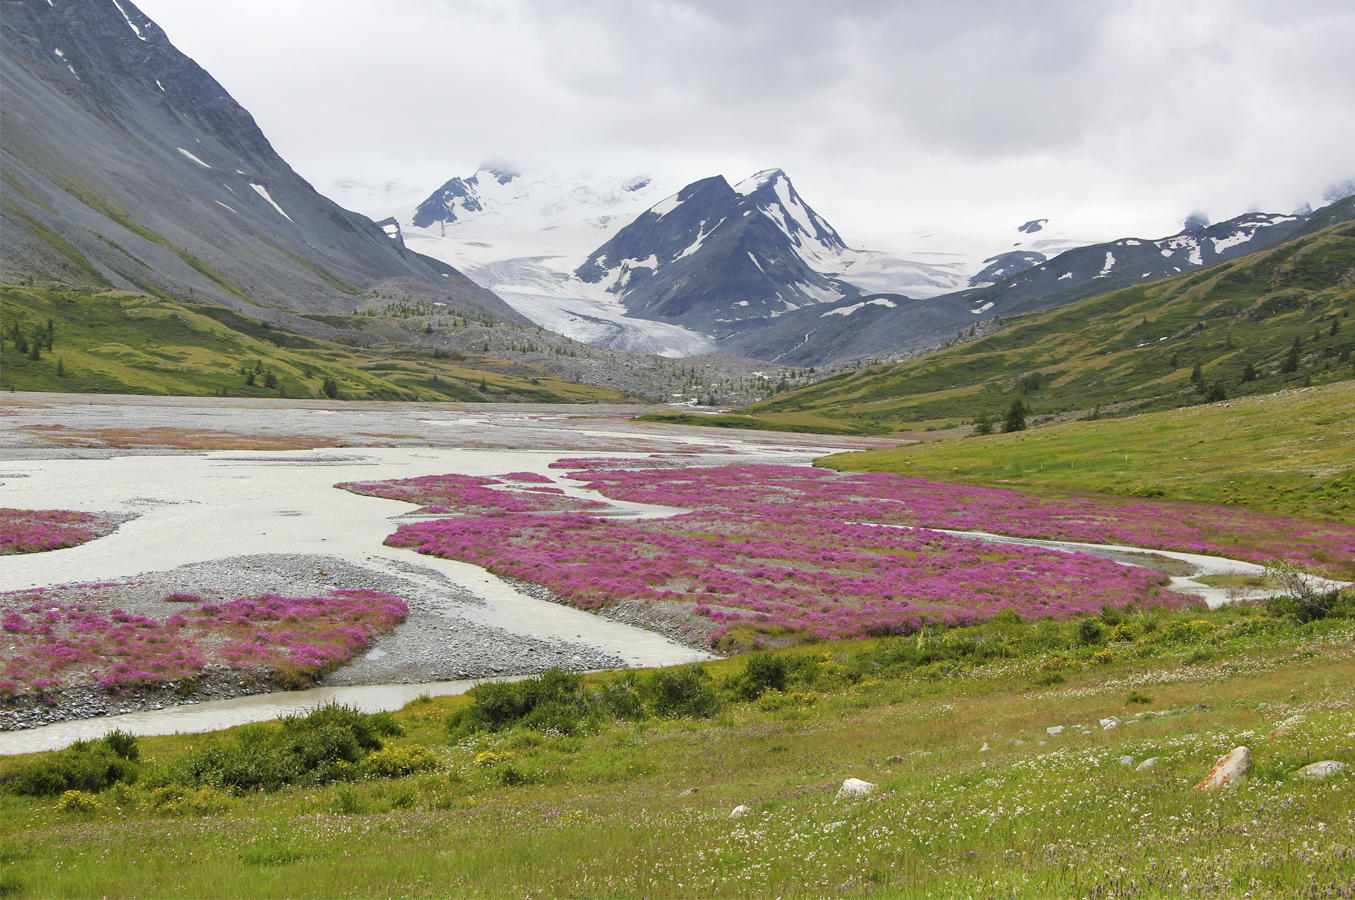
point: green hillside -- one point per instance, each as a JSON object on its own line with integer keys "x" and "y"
{"x": 1291, "y": 452}
{"x": 1275, "y": 319}
{"x": 123, "y": 342}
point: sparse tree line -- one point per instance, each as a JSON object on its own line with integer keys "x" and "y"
{"x": 1298, "y": 354}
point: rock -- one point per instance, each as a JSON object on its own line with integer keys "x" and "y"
{"x": 1110, "y": 722}
{"x": 985, "y": 748}
{"x": 1319, "y": 770}
{"x": 1146, "y": 764}
{"x": 1053, "y": 730}
{"x": 1126, "y": 760}
{"x": 1286, "y": 725}
{"x": 739, "y": 812}
{"x": 854, "y": 789}
{"x": 1235, "y": 765}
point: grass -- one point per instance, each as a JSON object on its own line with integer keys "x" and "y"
{"x": 1291, "y": 453}
{"x": 643, "y": 808}
{"x": 126, "y": 342}
{"x": 1130, "y": 350}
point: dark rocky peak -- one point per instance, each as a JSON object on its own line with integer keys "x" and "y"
{"x": 442, "y": 204}
{"x": 772, "y": 193}
{"x": 1033, "y": 226}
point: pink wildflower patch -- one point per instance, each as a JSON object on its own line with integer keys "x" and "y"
{"x": 469, "y": 493}
{"x": 778, "y": 573}
{"x": 901, "y": 500}
{"x": 292, "y": 640}
{"x": 37, "y": 530}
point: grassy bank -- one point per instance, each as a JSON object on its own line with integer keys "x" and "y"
{"x": 124, "y": 342}
{"x": 974, "y": 796}
{"x": 1268, "y": 321}
{"x": 1290, "y": 453}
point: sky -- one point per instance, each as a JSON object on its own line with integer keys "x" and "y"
{"x": 891, "y": 116}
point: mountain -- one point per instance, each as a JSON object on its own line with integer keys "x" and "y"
{"x": 712, "y": 257}
{"x": 1233, "y": 325}
{"x": 127, "y": 166}
{"x": 888, "y": 324}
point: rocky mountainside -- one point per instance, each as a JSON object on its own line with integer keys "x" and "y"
{"x": 888, "y": 324}
{"x": 127, "y": 166}
{"x": 712, "y": 257}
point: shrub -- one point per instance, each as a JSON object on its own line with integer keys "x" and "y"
{"x": 552, "y": 700}
{"x": 78, "y": 802}
{"x": 684, "y": 691}
{"x": 1088, "y": 632}
{"x": 83, "y": 766}
{"x": 397, "y": 762}
{"x": 764, "y": 672}
{"x": 320, "y": 747}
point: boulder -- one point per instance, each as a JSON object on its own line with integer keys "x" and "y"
{"x": 740, "y": 811}
{"x": 1235, "y": 765}
{"x": 1110, "y": 722}
{"x": 1126, "y": 760}
{"x": 1053, "y": 730}
{"x": 1146, "y": 764}
{"x": 854, "y": 789}
{"x": 1286, "y": 725}
{"x": 1324, "y": 769}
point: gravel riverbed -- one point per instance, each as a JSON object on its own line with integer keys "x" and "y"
{"x": 434, "y": 643}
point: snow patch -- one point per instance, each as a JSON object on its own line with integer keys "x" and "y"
{"x": 1241, "y": 237}
{"x": 130, "y": 23}
{"x": 1065, "y": 275}
{"x": 159, "y": 85}
{"x": 983, "y": 309}
{"x": 1110, "y": 264}
{"x": 205, "y": 166}
{"x": 223, "y": 206}
{"x": 848, "y": 310}
{"x": 665, "y": 206}
{"x": 263, "y": 192}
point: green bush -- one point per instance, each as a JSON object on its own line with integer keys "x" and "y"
{"x": 552, "y": 700}
{"x": 317, "y": 748}
{"x": 1088, "y": 632}
{"x": 684, "y": 691}
{"x": 83, "y": 766}
{"x": 764, "y": 672}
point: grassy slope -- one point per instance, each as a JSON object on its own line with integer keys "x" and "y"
{"x": 1129, "y": 350}
{"x": 1291, "y": 453}
{"x": 643, "y": 810}
{"x": 122, "y": 342}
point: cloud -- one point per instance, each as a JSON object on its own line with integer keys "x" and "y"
{"x": 893, "y": 115}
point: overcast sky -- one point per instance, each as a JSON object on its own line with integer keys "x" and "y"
{"x": 1111, "y": 118}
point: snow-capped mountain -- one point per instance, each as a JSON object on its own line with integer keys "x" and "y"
{"x": 874, "y": 325}
{"x": 712, "y": 256}
{"x": 522, "y": 236}
{"x": 127, "y": 165}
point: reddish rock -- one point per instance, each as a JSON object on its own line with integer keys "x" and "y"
{"x": 1237, "y": 764}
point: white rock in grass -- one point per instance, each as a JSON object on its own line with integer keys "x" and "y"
{"x": 854, "y": 789}
{"x": 1283, "y": 727}
{"x": 985, "y": 748}
{"x": 1235, "y": 765}
{"x": 739, "y": 812}
{"x": 1110, "y": 722}
{"x": 1324, "y": 769}
{"x": 1146, "y": 764}
{"x": 1053, "y": 730}
{"x": 1126, "y": 760}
